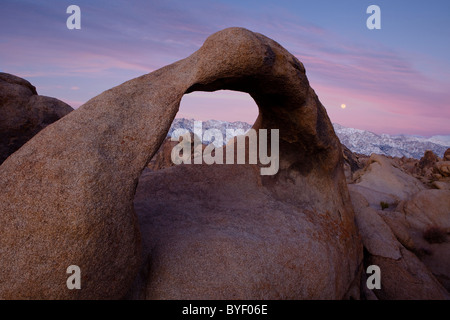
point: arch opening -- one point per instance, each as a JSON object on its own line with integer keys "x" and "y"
{"x": 221, "y": 109}
{"x": 222, "y": 105}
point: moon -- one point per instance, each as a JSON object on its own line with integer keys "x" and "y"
{"x": 343, "y": 106}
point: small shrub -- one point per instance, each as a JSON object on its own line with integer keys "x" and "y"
{"x": 384, "y": 205}
{"x": 434, "y": 234}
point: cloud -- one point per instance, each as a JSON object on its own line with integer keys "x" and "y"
{"x": 119, "y": 41}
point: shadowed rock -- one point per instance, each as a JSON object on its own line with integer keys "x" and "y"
{"x": 387, "y": 240}
{"x": 67, "y": 195}
{"x": 23, "y": 113}
{"x": 428, "y": 160}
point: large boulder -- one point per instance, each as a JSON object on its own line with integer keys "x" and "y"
{"x": 383, "y": 181}
{"x": 428, "y": 160}
{"x": 427, "y": 215}
{"x": 23, "y": 113}
{"x": 351, "y": 163}
{"x": 217, "y": 232}
{"x": 387, "y": 239}
{"x": 424, "y": 169}
{"x": 226, "y": 232}
{"x": 447, "y": 155}
{"x": 443, "y": 168}
{"x": 428, "y": 208}
{"x": 406, "y": 278}
{"x": 67, "y": 195}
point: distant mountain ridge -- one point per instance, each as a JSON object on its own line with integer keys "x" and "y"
{"x": 222, "y": 126}
{"x": 357, "y": 140}
{"x": 366, "y": 142}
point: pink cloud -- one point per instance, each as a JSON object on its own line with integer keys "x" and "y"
{"x": 383, "y": 89}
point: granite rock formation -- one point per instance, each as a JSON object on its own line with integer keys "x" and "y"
{"x": 408, "y": 237}
{"x": 390, "y": 242}
{"x": 23, "y": 113}
{"x": 67, "y": 195}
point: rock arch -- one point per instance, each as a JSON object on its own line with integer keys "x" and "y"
{"x": 67, "y": 194}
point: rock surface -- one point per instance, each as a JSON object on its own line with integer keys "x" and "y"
{"x": 413, "y": 265}
{"x": 163, "y": 157}
{"x": 431, "y": 209}
{"x": 352, "y": 163}
{"x": 226, "y": 232}
{"x": 406, "y": 279}
{"x": 23, "y": 113}
{"x": 428, "y": 208}
{"x": 425, "y": 168}
{"x": 67, "y": 195}
{"x": 447, "y": 155}
{"x": 382, "y": 181}
{"x": 432, "y": 171}
{"x": 443, "y": 168}
{"x": 200, "y": 242}
{"x": 428, "y": 160}
{"x": 377, "y": 237}
{"x": 387, "y": 238}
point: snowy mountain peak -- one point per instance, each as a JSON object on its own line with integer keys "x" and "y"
{"x": 357, "y": 140}
{"x": 366, "y": 142}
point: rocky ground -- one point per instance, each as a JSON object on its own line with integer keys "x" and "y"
{"x": 402, "y": 210}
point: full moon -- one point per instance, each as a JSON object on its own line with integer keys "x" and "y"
{"x": 343, "y": 106}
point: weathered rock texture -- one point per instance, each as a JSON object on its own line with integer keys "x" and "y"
{"x": 23, "y": 113}
{"x": 428, "y": 160}
{"x": 214, "y": 232}
{"x": 352, "y": 162}
{"x": 388, "y": 239}
{"x": 432, "y": 171}
{"x": 383, "y": 181}
{"x": 431, "y": 209}
{"x": 67, "y": 195}
{"x": 409, "y": 240}
{"x": 163, "y": 157}
{"x": 447, "y": 155}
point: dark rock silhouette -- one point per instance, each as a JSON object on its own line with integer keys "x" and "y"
{"x": 447, "y": 155}
{"x": 23, "y": 113}
{"x": 428, "y": 160}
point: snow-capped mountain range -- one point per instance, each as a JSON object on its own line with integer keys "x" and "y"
{"x": 358, "y": 141}
{"x": 222, "y": 126}
{"x": 366, "y": 142}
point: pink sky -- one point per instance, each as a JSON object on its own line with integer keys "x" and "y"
{"x": 393, "y": 80}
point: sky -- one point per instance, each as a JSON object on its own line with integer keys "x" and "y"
{"x": 393, "y": 80}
